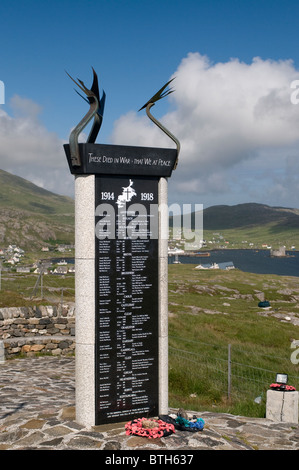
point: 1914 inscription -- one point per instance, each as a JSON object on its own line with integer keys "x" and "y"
{"x": 126, "y": 298}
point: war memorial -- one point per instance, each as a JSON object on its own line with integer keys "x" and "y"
{"x": 121, "y": 233}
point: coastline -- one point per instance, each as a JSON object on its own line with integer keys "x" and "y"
{"x": 257, "y": 261}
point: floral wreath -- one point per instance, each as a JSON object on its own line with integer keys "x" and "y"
{"x": 183, "y": 424}
{"x": 283, "y": 388}
{"x": 150, "y": 428}
{"x": 196, "y": 424}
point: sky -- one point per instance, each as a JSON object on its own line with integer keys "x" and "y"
{"x": 233, "y": 108}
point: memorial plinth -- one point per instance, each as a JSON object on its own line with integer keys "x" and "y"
{"x": 282, "y": 406}
{"x": 121, "y": 264}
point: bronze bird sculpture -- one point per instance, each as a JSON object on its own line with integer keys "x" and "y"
{"x": 151, "y": 102}
{"x": 96, "y": 111}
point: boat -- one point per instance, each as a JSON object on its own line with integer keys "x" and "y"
{"x": 203, "y": 253}
{"x": 225, "y": 266}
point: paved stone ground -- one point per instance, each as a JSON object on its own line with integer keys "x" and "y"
{"x": 37, "y": 398}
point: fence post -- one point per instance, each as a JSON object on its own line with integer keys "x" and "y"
{"x": 229, "y": 371}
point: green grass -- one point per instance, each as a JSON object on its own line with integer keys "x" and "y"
{"x": 209, "y": 310}
{"x": 270, "y": 234}
{"x": 32, "y": 215}
{"x": 18, "y": 193}
{"x": 17, "y": 289}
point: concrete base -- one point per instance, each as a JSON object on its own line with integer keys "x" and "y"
{"x": 282, "y": 406}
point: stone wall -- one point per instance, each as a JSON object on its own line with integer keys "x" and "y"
{"x": 46, "y": 329}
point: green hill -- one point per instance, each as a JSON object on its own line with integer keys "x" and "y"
{"x": 249, "y": 215}
{"x": 31, "y": 217}
{"x": 250, "y": 225}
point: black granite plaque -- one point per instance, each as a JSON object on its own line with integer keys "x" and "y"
{"x": 123, "y": 160}
{"x": 126, "y": 297}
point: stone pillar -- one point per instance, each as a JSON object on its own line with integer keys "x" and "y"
{"x": 163, "y": 296}
{"x": 282, "y": 406}
{"x": 85, "y": 299}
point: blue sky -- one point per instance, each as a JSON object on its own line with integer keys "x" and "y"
{"x": 232, "y": 113}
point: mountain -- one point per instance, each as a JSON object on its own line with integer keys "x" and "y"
{"x": 251, "y": 223}
{"x": 32, "y": 217}
{"x": 249, "y": 215}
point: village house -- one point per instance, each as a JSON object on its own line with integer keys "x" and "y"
{"x": 60, "y": 270}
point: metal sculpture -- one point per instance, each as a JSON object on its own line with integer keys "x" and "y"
{"x": 151, "y": 102}
{"x": 96, "y": 112}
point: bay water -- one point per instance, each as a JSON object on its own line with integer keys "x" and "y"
{"x": 252, "y": 261}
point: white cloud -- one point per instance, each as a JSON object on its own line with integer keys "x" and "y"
{"x": 133, "y": 129}
{"x": 233, "y": 120}
{"x": 238, "y": 129}
{"x": 29, "y": 150}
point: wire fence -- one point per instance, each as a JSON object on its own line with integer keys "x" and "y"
{"x": 227, "y": 372}
{"x": 54, "y": 288}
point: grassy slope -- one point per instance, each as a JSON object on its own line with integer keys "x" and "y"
{"x": 256, "y": 223}
{"x": 42, "y": 215}
{"x": 31, "y": 216}
{"x": 208, "y": 311}
{"x": 17, "y": 289}
{"x": 18, "y": 193}
{"x": 268, "y": 234}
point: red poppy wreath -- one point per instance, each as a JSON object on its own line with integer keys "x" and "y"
{"x": 150, "y": 428}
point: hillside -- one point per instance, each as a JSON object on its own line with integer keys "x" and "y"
{"x": 250, "y": 223}
{"x": 30, "y": 216}
{"x": 211, "y": 309}
{"x": 249, "y": 215}
{"x": 253, "y": 226}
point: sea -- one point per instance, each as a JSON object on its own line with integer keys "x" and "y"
{"x": 252, "y": 261}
